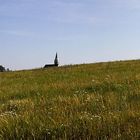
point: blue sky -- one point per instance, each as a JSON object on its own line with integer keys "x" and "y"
{"x": 81, "y": 31}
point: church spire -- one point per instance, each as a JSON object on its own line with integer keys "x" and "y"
{"x": 56, "y": 60}
{"x": 55, "y": 63}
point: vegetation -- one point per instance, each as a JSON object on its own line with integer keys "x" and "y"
{"x": 90, "y": 101}
{"x": 2, "y": 69}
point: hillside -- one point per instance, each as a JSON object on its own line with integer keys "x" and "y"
{"x": 89, "y": 101}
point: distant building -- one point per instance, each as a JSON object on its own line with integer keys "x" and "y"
{"x": 56, "y": 63}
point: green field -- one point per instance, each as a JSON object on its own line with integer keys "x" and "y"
{"x": 82, "y": 102}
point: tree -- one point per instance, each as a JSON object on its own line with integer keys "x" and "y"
{"x": 2, "y": 69}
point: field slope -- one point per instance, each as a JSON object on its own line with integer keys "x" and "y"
{"x": 90, "y": 101}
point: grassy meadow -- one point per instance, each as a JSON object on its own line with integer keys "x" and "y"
{"x": 82, "y": 102}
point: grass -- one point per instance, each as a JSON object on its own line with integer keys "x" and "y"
{"x": 90, "y": 101}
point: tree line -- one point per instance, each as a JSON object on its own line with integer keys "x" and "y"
{"x": 3, "y": 69}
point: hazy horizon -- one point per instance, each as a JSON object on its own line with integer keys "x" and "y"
{"x": 80, "y": 31}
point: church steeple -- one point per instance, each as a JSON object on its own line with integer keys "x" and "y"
{"x": 56, "y": 60}
{"x": 55, "y": 63}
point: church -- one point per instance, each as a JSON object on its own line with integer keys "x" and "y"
{"x": 53, "y": 65}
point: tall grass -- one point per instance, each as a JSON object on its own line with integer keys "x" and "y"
{"x": 91, "y": 101}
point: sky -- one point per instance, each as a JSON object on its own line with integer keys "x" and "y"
{"x": 80, "y": 31}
